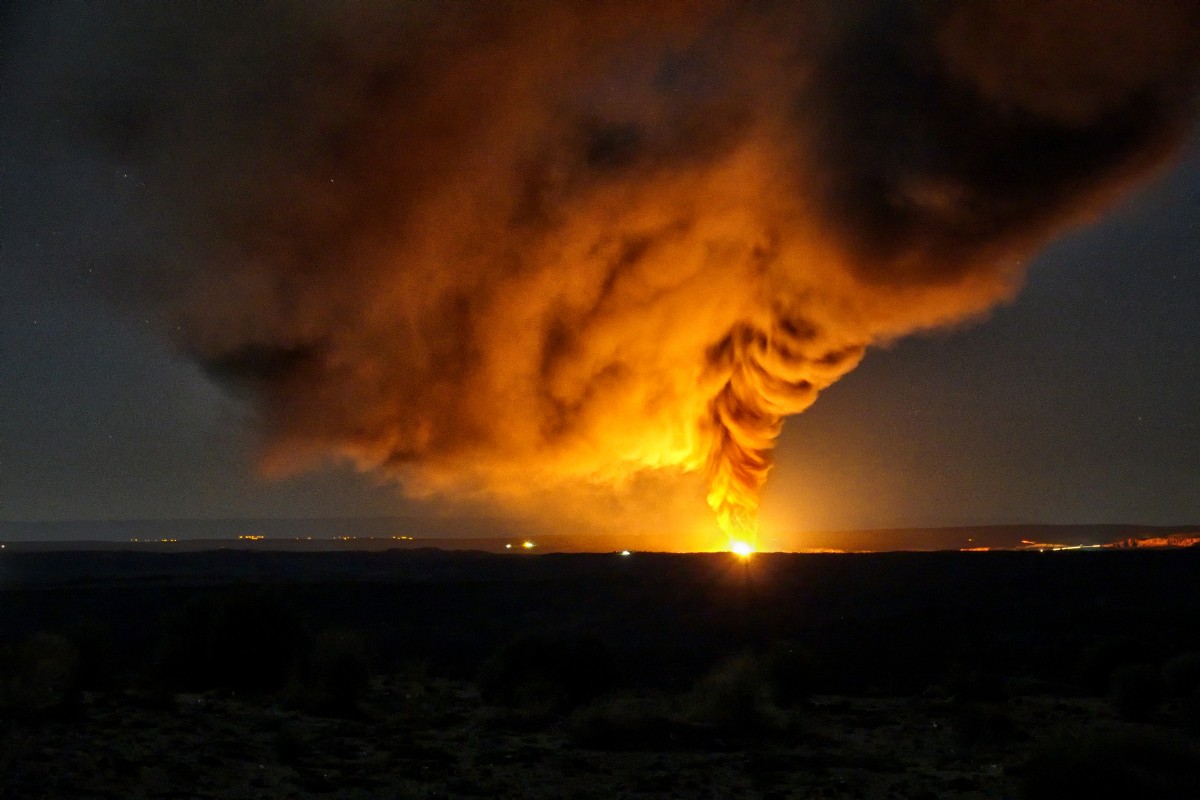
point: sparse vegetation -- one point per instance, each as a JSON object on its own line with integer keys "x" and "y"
{"x": 335, "y": 675}
{"x": 39, "y": 677}
{"x": 98, "y": 657}
{"x": 547, "y": 673}
{"x": 797, "y": 695}
{"x": 791, "y": 670}
{"x": 1145, "y": 766}
{"x": 1100, "y": 658}
{"x": 627, "y": 721}
{"x": 291, "y": 745}
{"x": 1181, "y": 675}
{"x": 1189, "y": 708}
{"x": 980, "y": 726}
{"x": 1136, "y": 691}
{"x": 243, "y": 641}
{"x": 736, "y": 696}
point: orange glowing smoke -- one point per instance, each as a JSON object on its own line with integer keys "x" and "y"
{"x": 770, "y": 376}
{"x": 555, "y": 255}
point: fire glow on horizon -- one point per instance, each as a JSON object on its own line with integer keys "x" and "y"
{"x": 741, "y": 549}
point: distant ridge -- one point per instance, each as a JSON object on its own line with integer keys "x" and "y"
{"x": 993, "y": 537}
{"x": 1189, "y": 539}
{"x": 381, "y": 533}
{"x": 269, "y": 528}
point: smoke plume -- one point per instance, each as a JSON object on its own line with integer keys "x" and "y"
{"x": 502, "y": 248}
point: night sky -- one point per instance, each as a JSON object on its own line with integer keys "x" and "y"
{"x": 1077, "y": 402}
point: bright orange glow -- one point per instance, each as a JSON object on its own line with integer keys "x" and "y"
{"x": 741, "y": 549}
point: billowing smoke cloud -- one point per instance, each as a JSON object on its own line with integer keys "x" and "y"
{"x": 507, "y": 247}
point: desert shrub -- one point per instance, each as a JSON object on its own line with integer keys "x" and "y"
{"x": 736, "y": 696}
{"x": 791, "y": 671}
{"x": 39, "y": 676}
{"x": 1145, "y": 766}
{"x": 180, "y": 657}
{"x": 99, "y": 660}
{"x": 244, "y": 641}
{"x": 1100, "y": 658}
{"x": 982, "y": 725}
{"x": 1181, "y": 675}
{"x": 335, "y": 675}
{"x": 1189, "y": 710}
{"x": 1136, "y": 691}
{"x": 625, "y": 722}
{"x": 547, "y": 672}
{"x": 292, "y": 745}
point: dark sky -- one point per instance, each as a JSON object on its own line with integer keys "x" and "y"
{"x": 1078, "y": 402}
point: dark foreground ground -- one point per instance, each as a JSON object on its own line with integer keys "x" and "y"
{"x": 429, "y": 674}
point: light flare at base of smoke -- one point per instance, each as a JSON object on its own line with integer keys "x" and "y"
{"x": 742, "y": 550}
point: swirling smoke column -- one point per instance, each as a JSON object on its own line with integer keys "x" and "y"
{"x": 498, "y": 248}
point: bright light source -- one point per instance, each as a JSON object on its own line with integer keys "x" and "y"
{"x": 626, "y": 553}
{"x": 508, "y": 547}
{"x": 741, "y": 549}
{"x": 528, "y": 545}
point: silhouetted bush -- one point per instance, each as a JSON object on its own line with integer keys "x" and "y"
{"x": 1181, "y": 675}
{"x": 1189, "y": 709}
{"x": 791, "y": 671}
{"x": 982, "y": 725}
{"x": 1144, "y": 766}
{"x": 548, "y": 672}
{"x": 39, "y": 676}
{"x": 181, "y": 659}
{"x": 335, "y": 676}
{"x": 736, "y": 696}
{"x": 99, "y": 660}
{"x": 1136, "y": 691}
{"x": 627, "y": 722}
{"x": 244, "y": 641}
{"x": 1100, "y": 658}
{"x": 292, "y": 745}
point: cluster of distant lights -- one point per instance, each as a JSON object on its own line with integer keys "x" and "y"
{"x": 529, "y": 544}
{"x": 742, "y": 550}
{"x": 258, "y": 537}
{"x": 356, "y": 538}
